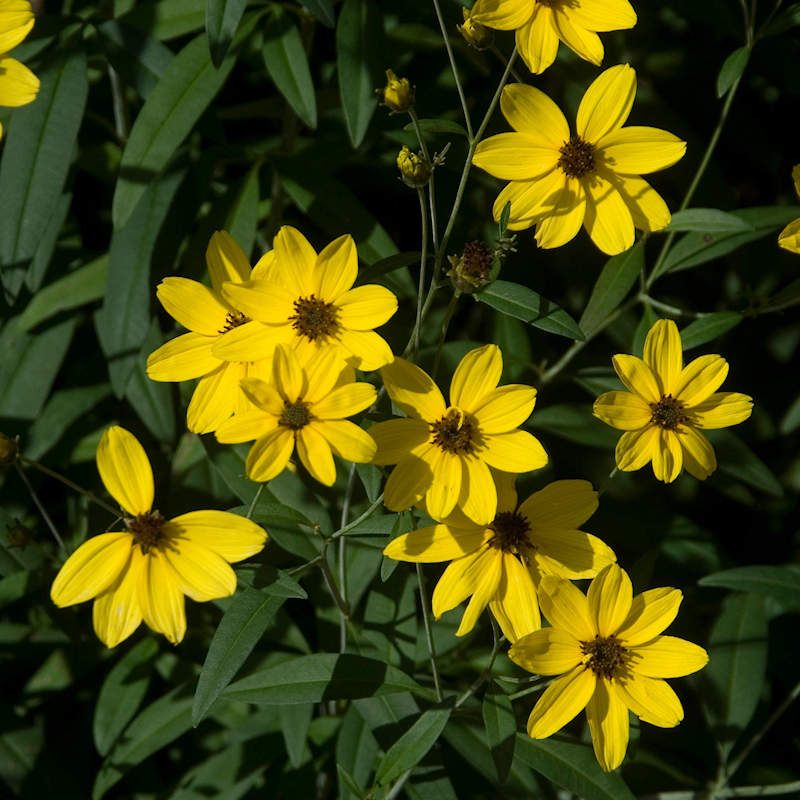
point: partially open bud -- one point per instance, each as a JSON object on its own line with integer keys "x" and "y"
{"x": 8, "y": 449}
{"x": 471, "y": 271}
{"x": 475, "y": 34}
{"x": 414, "y": 169}
{"x": 398, "y": 94}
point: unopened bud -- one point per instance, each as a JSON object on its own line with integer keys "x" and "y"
{"x": 478, "y": 36}
{"x": 8, "y": 449}
{"x": 415, "y": 170}
{"x": 472, "y": 270}
{"x": 398, "y": 94}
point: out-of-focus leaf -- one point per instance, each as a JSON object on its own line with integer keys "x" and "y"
{"x": 358, "y": 49}
{"x": 513, "y": 338}
{"x": 169, "y": 20}
{"x": 615, "y": 281}
{"x": 322, "y": 10}
{"x": 347, "y": 784}
{"x": 387, "y": 265}
{"x": 437, "y": 126}
{"x": 791, "y": 419}
{"x": 708, "y": 327}
{"x": 122, "y": 692}
{"x": 780, "y": 582}
{"x": 287, "y": 64}
{"x": 17, "y": 585}
{"x": 706, "y": 220}
{"x": 242, "y": 220}
{"x": 575, "y": 423}
{"x": 222, "y": 20}
{"x": 295, "y": 720}
{"x": 47, "y": 244}
{"x": 525, "y": 304}
{"x": 36, "y": 158}
{"x": 649, "y": 318}
{"x": 786, "y": 20}
{"x": 356, "y": 751}
{"x": 736, "y": 459}
{"x": 501, "y": 729}
{"x": 732, "y": 70}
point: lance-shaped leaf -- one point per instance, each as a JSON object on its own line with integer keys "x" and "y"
{"x": 222, "y": 20}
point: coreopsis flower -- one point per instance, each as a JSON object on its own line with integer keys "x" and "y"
{"x": 789, "y": 237}
{"x": 18, "y": 85}
{"x": 478, "y": 36}
{"x": 415, "y": 169}
{"x": 144, "y": 571}
{"x": 304, "y": 406}
{"x": 501, "y": 564}
{"x": 307, "y": 301}
{"x": 666, "y": 404}
{"x": 541, "y": 24}
{"x": 560, "y": 181}
{"x": 209, "y": 318}
{"x": 398, "y": 94}
{"x": 609, "y": 647}
{"x": 443, "y": 452}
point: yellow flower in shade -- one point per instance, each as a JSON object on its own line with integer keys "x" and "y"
{"x": 541, "y": 24}
{"x": 560, "y": 181}
{"x": 307, "y": 301}
{"x": 789, "y": 237}
{"x": 415, "y": 170}
{"x": 501, "y": 564}
{"x": 18, "y": 85}
{"x": 143, "y": 572}
{"x": 475, "y": 34}
{"x": 443, "y": 453}
{"x": 609, "y": 647}
{"x": 209, "y": 318}
{"x": 303, "y": 406}
{"x": 665, "y": 405}
{"x": 398, "y": 94}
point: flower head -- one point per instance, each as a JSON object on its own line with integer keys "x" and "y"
{"x": 415, "y": 170}
{"x": 475, "y": 34}
{"x": 789, "y": 237}
{"x": 398, "y": 94}
{"x": 143, "y": 572}
{"x": 209, "y": 318}
{"x": 307, "y": 301}
{"x": 18, "y": 85}
{"x": 609, "y": 647}
{"x": 541, "y": 24}
{"x": 665, "y": 405}
{"x": 471, "y": 270}
{"x": 561, "y": 181}
{"x": 304, "y": 406}
{"x": 443, "y": 453}
{"x": 501, "y": 564}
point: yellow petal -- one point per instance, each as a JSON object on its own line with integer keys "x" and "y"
{"x": 606, "y": 15}
{"x": 161, "y": 599}
{"x": 295, "y": 261}
{"x": 413, "y": 391}
{"x": 477, "y": 374}
{"x": 648, "y": 209}
{"x": 269, "y": 455}
{"x": 698, "y": 454}
{"x": 537, "y": 40}
{"x": 215, "y": 398}
{"x": 183, "y": 358}
{"x": 700, "y": 378}
{"x": 663, "y": 353}
{"x": 505, "y": 483}
{"x": 478, "y": 497}
{"x": 347, "y": 440}
{"x": 18, "y": 85}
{"x": 667, "y": 657}
{"x": 16, "y": 21}
{"x": 366, "y": 307}
{"x": 226, "y": 260}
{"x": 325, "y": 370}
{"x": 245, "y": 427}
{"x": 651, "y": 613}
{"x": 652, "y": 700}
{"x": 532, "y": 112}
{"x": 516, "y": 605}
{"x": 407, "y": 484}
{"x": 565, "y": 606}
{"x": 721, "y": 410}
{"x": 637, "y": 150}
{"x": 561, "y": 504}
{"x": 550, "y": 651}
{"x": 637, "y": 377}
{"x": 622, "y": 410}
{"x": 193, "y": 305}
{"x": 263, "y": 395}
{"x": 485, "y": 589}
{"x": 505, "y": 15}
{"x": 514, "y": 156}
{"x": 201, "y": 573}
{"x": 264, "y": 268}
{"x": 445, "y": 488}
{"x": 529, "y": 199}
{"x": 252, "y": 341}
{"x": 366, "y": 349}
{"x": 229, "y": 535}
{"x": 576, "y": 554}
{"x": 315, "y": 453}
{"x": 91, "y": 569}
{"x": 607, "y": 102}
{"x": 125, "y": 470}
{"x": 607, "y": 716}
{"x": 789, "y": 237}
{"x": 560, "y": 221}
{"x": 345, "y": 401}
{"x": 396, "y": 438}
{"x": 667, "y": 456}
{"x": 608, "y": 220}
{"x": 563, "y": 699}
{"x": 117, "y": 612}
{"x": 584, "y": 42}
{"x": 515, "y": 451}
{"x": 437, "y": 543}
{"x": 263, "y": 300}
{"x": 636, "y": 448}
{"x": 610, "y": 595}
{"x": 459, "y": 580}
{"x": 337, "y": 268}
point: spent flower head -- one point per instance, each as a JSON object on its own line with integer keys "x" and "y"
{"x": 18, "y": 85}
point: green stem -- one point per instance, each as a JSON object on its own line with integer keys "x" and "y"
{"x": 423, "y": 601}
{"x": 668, "y": 309}
{"x": 486, "y": 676}
{"x": 448, "y": 315}
{"x": 735, "y": 791}
{"x": 358, "y": 520}
{"x": 431, "y": 184}
{"x": 38, "y": 504}
{"x": 254, "y": 501}
{"x": 330, "y": 582}
{"x": 342, "y": 542}
{"x": 504, "y": 61}
{"x": 423, "y": 258}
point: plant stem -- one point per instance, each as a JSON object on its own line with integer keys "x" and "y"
{"x": 342, "y": 542}
{"x": 330, "y": 581}
{"x": 487, "y": 673}
{"x": 736, "y": 791}
{"x": 668, "y": 309}
{"x": 254, "y": 501}
{"x": 376, "y": 503}
{"x": 423, "y": 258}
{"x": 423, "y": 601}
{"x": 448, "y": 315}
{"x": 38, "y": 504}
{"x": 431, "y": 185}
{"x": 504, "y": 61}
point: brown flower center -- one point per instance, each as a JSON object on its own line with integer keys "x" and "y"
{"x": 607, "y": 657}
{"x": 577, "y": 157}
{"x": 314, "y": 318}
{"x": 667, "y": 413}
{"x": 233, "y": 320}
{"x": 295, "y": 415}
{"x": 146, "y": 530}
{"x": 455, "y": 432}
{"x": 511, "y": 533}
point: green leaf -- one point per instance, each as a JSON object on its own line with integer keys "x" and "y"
{"x": 738, "y": 461}
{"x": 386, "y": 265}
{"x": 347, "y": 785}
{"x": 239, "y": 630}
{"x": 613, "y": 284}
{"x": 36, "y": 158}
{"x": 577, "y": 424}
{"x": 322, "y": 10}
{"x": 732, "y": 69}
{"x": 323, "y": 676}
{"x": 572, "y": 766}
{"x": 242, "y": 218}
{"x": 222, "y": 20}
{"x": 438, "y": 126}
{"x": 167, "y": 20}
{"x": 706, "y": 220}
{"x": 413, "y": 745}
{"x": 523, "y": 303}
{"x": 295, "y": 720}
{"x": 709, "y": 327}
{"x": 737, "y": 663}
{"x": 17, "y": 585}
{"x": 649, "y": 318}
{"x": 287, "y": 65}
{"x": 358, "y": 48}
{"x": 791, "y": 419}
{"x": 47, "y": 244}
{"x": 780, "y": 582}
{"x": 356, "y": 751}
{"x": 786, "y": 20}
{"x": 502, "y": 226}
{"x": 122, "y": 692}
{"x": 501, "y": 729}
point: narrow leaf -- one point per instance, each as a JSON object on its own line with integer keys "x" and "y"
{"x": 709, "y": 327}
{"x": 438, "y": 126}
{"x": 322, "y": 10}
{"x": 780, "y": 582}
{"x": 732, "y": 69}
{"x": 386, "y": 265}
{"x": 575, "y": 423}
{"x": 295, "y": 720}
{"x": 501, "y": 729}
{"x": 222, "y": 20}
{"x": 738, "y": 461}
{"x": 356, "y": 751}
{"x": 706, "y": 220}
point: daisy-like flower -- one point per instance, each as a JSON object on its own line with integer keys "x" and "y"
{"x": 18, "y": 85}
{"x": 443, "y": 453}
{"x": 303, "y": 406}
{"x": 501, "y": 564}
{"x": 560, "y": 181}
{"x": 143, "y": 572}
{"x": 608, "y": 648}
{"x": 307, "y": 301}
{"x": 209, "y": 318}
{"x": 665, "y": 405}
{"x": 789, "y": 237}
{"x": 541, "y": 24}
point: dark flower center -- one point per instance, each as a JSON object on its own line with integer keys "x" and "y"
{"x": 607, "y": 657}
{"x": 295, "y": 415}
{"x": 146, "y": 530}
{"x": 577, "y": 157}
{"x": 233, "y": 320}
{"x": 510, "y": 533}
{"x": 454, "y": 432}
{"x": 667, "y": 413}
{"x": 314, "y": 318}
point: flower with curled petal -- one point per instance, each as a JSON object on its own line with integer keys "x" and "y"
{"x": 18, "y": 85}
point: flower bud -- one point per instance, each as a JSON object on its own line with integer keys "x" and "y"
{"x": 414, "y": 169}
{"x": 19, "y": 535}
{"x": 478, "y": 36}
{"x": 8, "y": 449}
{"x": 471, "y": 270}
{"x": 398, "y": 94}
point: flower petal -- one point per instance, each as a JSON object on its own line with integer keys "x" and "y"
{"x": 347, "y": 440}
{"x": 262, "y": 300}
{"x": 269, "y": 455}
{"x": 667, "y": 657}
{"x": 607, "y": 102}
{"x": 550, "y": 651}
{"x": 565, "y": 606}
{"x": 651, "y": 613}
{"x": 571, "y": 554}
{"x": 252, "y": 341}
{"x": 532, "y": 112}
{"x": 505, "y": 408}
{"x": 537, "y": 40}
{"x": 637, "y": 149}
{"x": 315, "y": 453}
{"x": 637, "y": 377}
{"x": 607, "y": 716}
{"x": 16, "y": 22}
{"x": 504, "y": 15}
{"x": 636, "y": 448}
{"x": 505, "y": 483}
{"x": 667, "y": 456}
{"x": 485, "y": 590}
{"x": 514, "y": 156}
{"x": 516, "y": 605}
{"x": 698, "y": 454}
{"x": 700, "y": 378}
{"x": 117, "y": 612}
{"x": 229, "y": 535}
{"x": 515, "y": 451}
{"x": 366, "y": 307}
{"x": 561, "y": 504}
{"x": 263, "y": 395}
{"x": 663, "y": 353}
{"x": 226, "y": 260}
{"x": 721, "y": 410}
{"x": 215, "y": 398}
{"x": 478, "y": 498}
{"x": 18, "y": 85}
{"x": 610, "y": 595}
{"x": 584, "y": 42}
{"x": 562, "y": 215}
{"x": 477, "y": 374}
{"x": 125, "y": 470}
{"x": 528, "y": 199}
{"x": 337, "y": 268}
{"x": 367, "y": 350}
{"x": 561, "y": 701}
{"x": 345, "y": 401}
{"x": 161, "y": 599}
{"x": 407, "y": 484}
{"x": 396, "y": 438}
{"x": 325, "y": 370}
{"x": 245, "y": 427}
{"x": 652, "y": 700}
{"x": 436, "y": 543}
{"x": 624, "y": 411}
{"x": 445, "y": 488}
{"x": 459, "y": 580}
{"x": 648, "y": 209}
{"x": 182, "y": 358}
{"x": 789, "y": 237}
{"x": 295, "y": 261}
{"x": 608, "y": 220}
{"x": 193, "y": 305}
{"x": 200, "y": 573}
{"x": 607, "y": 15}
{"x": 413, "y": 391}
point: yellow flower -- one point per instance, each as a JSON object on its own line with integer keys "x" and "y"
{"x": 789, "y": 237}
{"x": 475, "y": 34}
{"x": 398, "y": 94}
{"x": 501, "y": 564}
{"x": 306, "y": 300}
{"x": 560, "y": 182}
{"x": 665, "y": 405}
{"x": 540, "y": 24}
{"x": 443, "y": 453}
{"x": 306, "y": 406}
{"x": 18, "y": 85}
{"x": 210, "y": 318}
{"x": 609, "y": 645}
{"x": 414, "y": 169}
{"x": 143, "y": 572}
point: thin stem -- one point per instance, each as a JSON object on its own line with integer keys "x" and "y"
{"x": 448, "y": 315}
{"x": 668, "y": 309}
{"x": 530, "y": 689}
{"x": 735, "y": 791}
{"x": 376, "y": 503}
{"x": 431, "y": 185}
{"x": 342, "y": 542}
{"x": 254, "y": 501}
{"x": 423, "y": 258}
{"x": 423, "y": 601}
{"x": 121, "y": 119}
{"x": 610, "y": 478}
{"x": 486, "y": 676}
{"x": 330, "y": 581}
{"x": 504, "y": 61}
{"x": 38, "y": 504}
